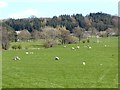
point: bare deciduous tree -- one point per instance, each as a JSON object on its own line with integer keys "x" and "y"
{"x": 35, "y": 34}
{"x": 24, "y": 35}
{"x": 78, "y": 32}
{"x": 5, "y": 39}
{"x": 50, "y": 33}
{"x": 64, "y": 33}
{"x": 93, "y": 31}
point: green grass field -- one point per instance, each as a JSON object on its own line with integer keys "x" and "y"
{"x": 41, "y": 70}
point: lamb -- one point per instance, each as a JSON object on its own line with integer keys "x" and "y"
{"x": 78, "y": 47}
{"x": 64, "y": 46}
{"x": 83, "y": 62}
{"x": 27, "y": 52}
{"x": 56, "y": 58}
{"x": 16, "y": 58}
{"x": 73, "y": 48}
{"x": 105, "y": 45}
{"x": 89, "y": 47}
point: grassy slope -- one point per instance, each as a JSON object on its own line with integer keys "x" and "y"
{"x": 42, "y": 71}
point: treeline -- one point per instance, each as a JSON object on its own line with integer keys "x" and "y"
{"x": 65, "y": 29}
{"x": 100, "y": 21}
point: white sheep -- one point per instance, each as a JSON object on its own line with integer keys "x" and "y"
{"x": 73, "y": 48}
{"x": 14, "y": 58}
{"x": 89, "y": 47}
{"x": 64, "y": 46}
{"x": 78, "y": 47}
{"x": 27, "y": 52}
{"x": 56, "y": 58}
{"x": 17, "y": 58}
{"x": 105, "y": 45}
{"x": 83, "y": 63}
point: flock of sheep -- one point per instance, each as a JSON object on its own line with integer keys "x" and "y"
{"x": 73, "y": 48}
{"x": 18, "y": 58}
{"x": 56, "y": 57}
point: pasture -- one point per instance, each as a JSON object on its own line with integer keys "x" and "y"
{"x": 41, "y": 70}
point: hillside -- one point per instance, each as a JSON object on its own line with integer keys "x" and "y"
{"x": 101, "y": 21}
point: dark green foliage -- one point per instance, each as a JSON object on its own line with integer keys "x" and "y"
{"x": 19, "y": 47}
{"x": 88, "y": 40}
{"x": 15, "y": 47}
{"x": 83, "y": 41}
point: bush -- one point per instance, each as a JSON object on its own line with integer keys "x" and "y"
{"x": 88, "y": 40}
{"x": 49, "y": 43}
{"x": 83, "y": 41}
{"x": 14, "y": 47}
{"x": 19, "y": 47}
{"x": 72, "y": 39}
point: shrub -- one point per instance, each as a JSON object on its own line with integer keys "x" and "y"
{"x": 14, "y": 47}
{"x": 72, "y": 39}
{"x": 88, "y": 40}
{"x": 19, "y": 47}
{"x": 83, "y": 41}
{"x": 49, "y": 43}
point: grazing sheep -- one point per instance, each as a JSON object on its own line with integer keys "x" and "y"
{"x": 56, "y": 58}
{"x": 27, "y": 52}
{"x": 83, "y": 62}
{"x": 16, "y": 58}
{"x": 78, "y": 47}
{"x": 73, "y": 48}
{"x": 64, "y": 46}
{"x": 105, "y": 45}
{"x": 89, "y": 47}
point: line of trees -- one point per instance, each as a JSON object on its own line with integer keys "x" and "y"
{"x": 58, "y": 30}
{"x": 100, "y": 21}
